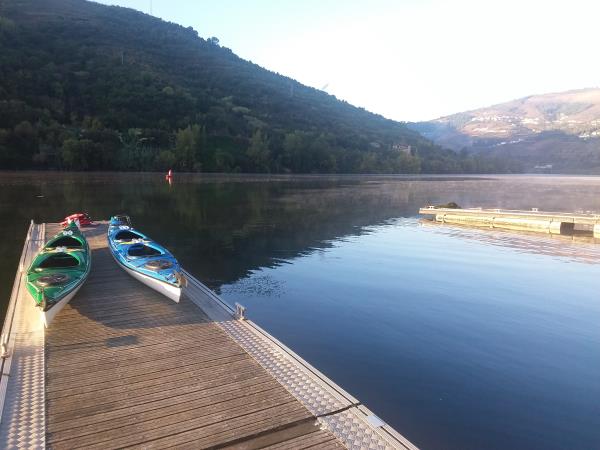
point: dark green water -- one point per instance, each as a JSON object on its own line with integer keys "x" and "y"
{"x": 459, "y": 338}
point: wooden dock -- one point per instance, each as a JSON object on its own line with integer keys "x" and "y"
{"x": 123, "y": 367}
{"x": 534, "y": 220}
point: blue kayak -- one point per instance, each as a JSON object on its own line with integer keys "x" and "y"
{"x": 144, "y": 259}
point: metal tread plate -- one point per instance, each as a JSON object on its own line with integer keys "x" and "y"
{"x": 22, "y": 423}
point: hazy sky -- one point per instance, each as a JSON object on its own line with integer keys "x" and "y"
{"x": 407, "y": 59}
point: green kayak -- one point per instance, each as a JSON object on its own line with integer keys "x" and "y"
{"x": 58, "y": 271}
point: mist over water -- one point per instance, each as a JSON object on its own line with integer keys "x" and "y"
{"x": 458, "y": 337}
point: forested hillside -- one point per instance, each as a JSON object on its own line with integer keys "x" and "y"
{"x": 85, "y": 86}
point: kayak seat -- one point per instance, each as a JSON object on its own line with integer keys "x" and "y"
{"x": 158, "y": 264}
{"x": 52, "y": 280}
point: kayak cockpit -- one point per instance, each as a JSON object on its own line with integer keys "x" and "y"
{"x": 58, "y": 261}
{"x": 120, "y": 220}
{"x": 127, "y": 235}
{"x": 66, "y": 242}
{"x": 142, "y": 250}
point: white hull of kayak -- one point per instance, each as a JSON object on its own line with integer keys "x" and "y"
{"x": 169, "y": 291}
{"x": 50, "y": 314}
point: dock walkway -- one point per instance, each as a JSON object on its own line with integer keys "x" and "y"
{"x": 124, "y": 367}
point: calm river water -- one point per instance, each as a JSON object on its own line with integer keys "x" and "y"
{"x": 459, "y": 338}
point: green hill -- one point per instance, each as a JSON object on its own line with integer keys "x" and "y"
{"x": 85, "y": 86}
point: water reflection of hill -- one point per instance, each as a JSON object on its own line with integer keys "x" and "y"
{"x": 584, "y": 249}
{"x": 234, "y": 228}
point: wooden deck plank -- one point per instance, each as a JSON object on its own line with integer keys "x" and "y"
{"x": 159, "y": 347}
{"x": 201, "y": 382}
{"x": 143, "y": 384}
{"x": 78, "y": 399}
{"x": 128, "y": 367}
{"x": 239, "y": 363}
{"x": 116, "y": 342}
{"x": 160, "y": 329}
{"x": 184, "y": 359}
{"x": 198, "y": 420}
{"x": 168, "y": 413}
{"x": 130, "y": 402}
{"x": 78, "y": 336}
{"x": 219, "y": 386}
{"x": 154, "y": 350}
{"x": 221, "y": 433}
{"x": 138, "y": 361}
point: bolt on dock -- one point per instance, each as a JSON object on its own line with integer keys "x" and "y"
{"x": 534, "y": 220}
{"x": 123, "y": 367}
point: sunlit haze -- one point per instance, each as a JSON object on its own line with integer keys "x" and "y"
{"x": 406, "y": 60}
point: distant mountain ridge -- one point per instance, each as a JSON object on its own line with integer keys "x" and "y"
{"x": 85, "y": 86}
{"x": 550, "y": 132}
